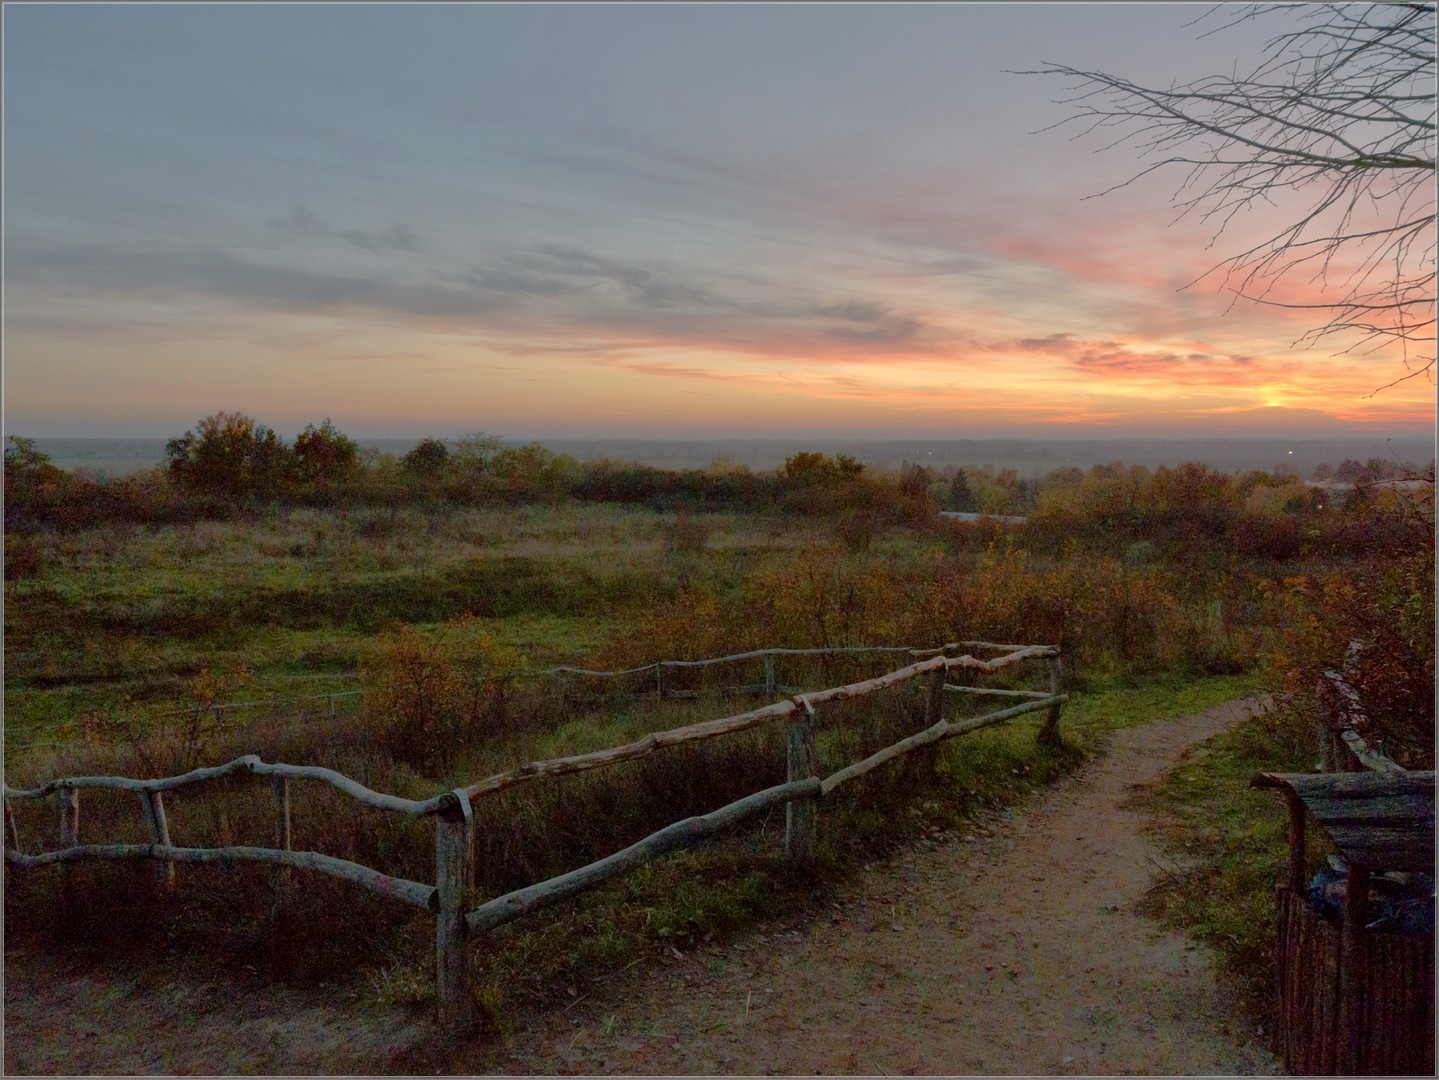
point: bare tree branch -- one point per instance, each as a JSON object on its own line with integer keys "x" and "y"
{"x": 1340, "y": 112}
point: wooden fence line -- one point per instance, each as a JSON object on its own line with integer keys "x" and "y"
{"x": 454, "y": 822}
{"x": 768, "y": 685}
{"x": 990, "y": 692}
{"x": 681, "y": 834}
{"x": 247, "y": 762}
{"x": 755, "y": 654}
{"x": 710, "y": 729}
{"x": 943, "y": 730}
{"x": 1341, "y": 712}
{"x": 411, "y": 892}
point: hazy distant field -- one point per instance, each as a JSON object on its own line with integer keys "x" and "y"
{"x": 1029, "y": 458}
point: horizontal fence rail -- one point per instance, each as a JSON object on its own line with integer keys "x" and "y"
{"x": 248, "y": 763}
{"x": 1341, "y": 713}
{"x": 410, "y": 892}
{"x": 452, "y": 812}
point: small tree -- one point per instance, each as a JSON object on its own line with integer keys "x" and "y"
{"x": 31, "y": 482}
{"x": 324, "y": 455}
{"x": 229, "y": 454}
{"x": 427, "y": 459}
{"x": 961, "y": 495}
{"x": 27, "y": 465}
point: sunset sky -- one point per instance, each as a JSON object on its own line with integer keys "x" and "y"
{"x": 646, "y": 220}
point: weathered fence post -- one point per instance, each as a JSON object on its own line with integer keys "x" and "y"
{"x": 1049, "y": 730}
{"x": 933, "y": 714}
{"x": 284, "y": 876}
{"x": 281, "y": 787}
{"x": 934, "y": 708}
{"x": 14, "y": 828}
{"x": 152, "y": 804}
{"x": 801, "y": 815}
{"x": 453, "y": 875}
{"x": 769, "y": 675}
{"x": 660, "y": 681}
{"x": 69, "y": 837}
{"x": 69, "y": 817}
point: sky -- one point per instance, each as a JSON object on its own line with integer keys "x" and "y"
{"x": 606, "y": 220}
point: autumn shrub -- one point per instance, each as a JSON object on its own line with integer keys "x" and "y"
{"x": 166, "y": 737}
{"x": 687, "y": 534}
{"x": 1389, "y": 610}
{"x": 426, "y": 696}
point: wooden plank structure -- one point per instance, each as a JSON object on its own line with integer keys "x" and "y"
{"x": 1353, "y": 1001}
{"x": 451, "y": 898}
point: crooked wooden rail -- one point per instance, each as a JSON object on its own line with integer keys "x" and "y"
{"x": 451, "y": 894}
{"x": 1341, "y": 714}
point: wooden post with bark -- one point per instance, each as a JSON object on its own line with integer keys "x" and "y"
{"x": 153, "y": 806}
{"x": 453, "y": 874}
{"x": 928, "y": 757}
{"x": 12, "y": 826}
{"x": 69, "y": 837}
{"x": 801, "y": 815}
{"x": 69, "y": 816}
{"x": 284, "y": 876}
{"x": 1049, "y": 730}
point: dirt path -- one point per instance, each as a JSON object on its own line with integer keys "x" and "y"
{"x": 1014, "y": 950}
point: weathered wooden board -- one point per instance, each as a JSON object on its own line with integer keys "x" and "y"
{"x": 1378, "y": 821}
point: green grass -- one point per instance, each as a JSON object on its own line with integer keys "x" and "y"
{"x": 1232, "y": 843}
{"x": 304, "y": 600}
{"x": 1112, "y": 704}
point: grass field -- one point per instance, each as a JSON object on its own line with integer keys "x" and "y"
{"x": 436, "y": 622}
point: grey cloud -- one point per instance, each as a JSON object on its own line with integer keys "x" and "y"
{"x": 1053, "y": 341}
{"x": 529, "y": 284}
{"x": 302, "y": 221}
{"x": 396, "y": 238}
{"x": 885, "y": 325}
{"x": 960, "y": 264}
{"x": 215, "y": 273}
{"x": 855, "y": 311}
{"x": 124, "y": 270}
{"x": 893, "y": 330}
{"x": 547, "y": 289}
{"x": 656, "y": 288}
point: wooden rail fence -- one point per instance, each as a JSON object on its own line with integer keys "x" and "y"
{"x": 1353, "y": 1001}
{"x": 1341, "y": 714}
{"x": 449, "y": 898}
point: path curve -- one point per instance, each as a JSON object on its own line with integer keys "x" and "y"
{"x": 1015, "y": 949}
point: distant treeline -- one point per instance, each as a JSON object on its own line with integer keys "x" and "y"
{"x": 229, "y": 465}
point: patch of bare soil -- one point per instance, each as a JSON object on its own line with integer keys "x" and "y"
{"x": 1015, "y": 950}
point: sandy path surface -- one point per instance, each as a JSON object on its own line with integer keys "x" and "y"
{"x": 1013, "y": 950}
